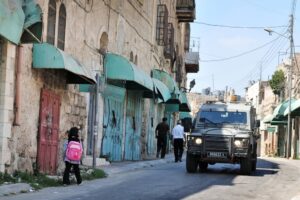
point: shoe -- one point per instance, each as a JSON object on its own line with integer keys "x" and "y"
{"x": 176, "y": 160}
{"x": 180, "y": 160}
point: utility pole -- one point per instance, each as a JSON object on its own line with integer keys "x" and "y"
{"x": 290, "y": 68}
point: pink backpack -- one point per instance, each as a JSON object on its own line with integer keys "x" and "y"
{"x": 74, "y": 151}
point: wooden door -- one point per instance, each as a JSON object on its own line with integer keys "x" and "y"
{"x": 48, "y": 132}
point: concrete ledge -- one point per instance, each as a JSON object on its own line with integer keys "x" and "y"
{"x": 88, "y": 161}
{"x": 12, "y": 189}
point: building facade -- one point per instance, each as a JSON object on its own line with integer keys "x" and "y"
{"x": 92, "y": 65}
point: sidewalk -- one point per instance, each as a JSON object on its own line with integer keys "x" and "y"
{"x": 110, "y": 170}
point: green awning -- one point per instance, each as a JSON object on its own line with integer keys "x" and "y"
{"x": 46, "y": 56}
{"x": 295, "y": 109}
{"x": 184, "y": 104}
{"x": 170, "y": 83}
{"x": 280, "y": 109}
{"x": 33, "y": 22}
{"x": 19, "y": 15}
{"x": 162, "y": 89}
{"x": 121, "y": 72}
{"x": 183, "y": 115}
{"x": 11, "y": 20}
{"x": 271, "y": 129}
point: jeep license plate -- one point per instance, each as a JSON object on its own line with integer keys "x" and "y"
{"x": 216, "y": 155}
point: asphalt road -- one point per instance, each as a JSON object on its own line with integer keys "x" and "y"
{"x": 275, "y": 179}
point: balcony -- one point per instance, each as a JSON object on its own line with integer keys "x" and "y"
{"x": 192, "y": 62}
{"x": 185, "y": 10}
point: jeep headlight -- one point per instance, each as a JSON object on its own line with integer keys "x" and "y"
{"x": 198, "y": 141}
{"x": 241, "y": 142}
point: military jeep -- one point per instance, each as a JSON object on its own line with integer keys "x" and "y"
{"x": 223, "y": 133}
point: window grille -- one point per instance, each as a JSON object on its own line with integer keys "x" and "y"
{"x": 179, "y": 69}
{"x": 169, "y": 47}
{"x": 187, "y": 37}
{"x": 51, "y": 22}
{"x": 61, "y": 27}
{"x": 162, "y": 24}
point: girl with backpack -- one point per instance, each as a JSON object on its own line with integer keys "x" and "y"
{"x": 73, "y": 151}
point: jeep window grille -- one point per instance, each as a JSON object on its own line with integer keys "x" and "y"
{"x": 162, "y": 24}
{"x": 187, "y": 37}
{"x": 169, "y": 47}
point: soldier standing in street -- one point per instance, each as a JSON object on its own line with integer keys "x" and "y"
{"x": 161, "y": 133}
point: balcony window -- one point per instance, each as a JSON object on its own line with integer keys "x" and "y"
{"x": 185, "y": 10}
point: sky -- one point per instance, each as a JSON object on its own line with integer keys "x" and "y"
{"x": 215, "y": 42}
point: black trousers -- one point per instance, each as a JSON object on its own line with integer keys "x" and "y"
{"x": 66, "y": 178}
{"x": 161, "y": 147}
{"x": 178, "y": 149}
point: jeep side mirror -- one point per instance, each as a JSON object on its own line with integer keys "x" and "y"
{"x": 257, "y": 123}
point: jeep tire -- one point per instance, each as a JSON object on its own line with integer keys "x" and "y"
{"x": 191, "y": 163}
{"x": 203, "y": 166}
{"x": 246, "y": 166}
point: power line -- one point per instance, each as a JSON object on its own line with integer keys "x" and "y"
{"x": 241, "y": 54}
{"x": 238, "y": 27}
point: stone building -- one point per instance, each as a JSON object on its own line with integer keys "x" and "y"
{"x": 63, "y": 49}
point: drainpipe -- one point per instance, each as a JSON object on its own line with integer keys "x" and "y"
{"x": 19, "y": 61}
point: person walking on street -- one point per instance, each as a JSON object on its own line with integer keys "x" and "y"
{"x": 73, "y": 136}
{"x": 178, "y": 137}
{"x": 161, "y": 133}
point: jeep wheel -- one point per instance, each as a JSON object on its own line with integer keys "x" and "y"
{"x": 203, "y": 166}
{"x": 253, "y": 165}
{"x": 191, "y": 163}
{"x": 246, "y": 166}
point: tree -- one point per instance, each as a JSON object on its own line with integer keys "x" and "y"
{"x": 277, "y": 82}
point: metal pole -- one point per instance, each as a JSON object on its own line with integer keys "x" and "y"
{"x": 288, "y": 153}
{"x": 96, "y": 119}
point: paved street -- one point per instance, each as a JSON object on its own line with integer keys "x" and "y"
{"x": 275, "y": 179}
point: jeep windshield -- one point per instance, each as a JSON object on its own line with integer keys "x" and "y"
{"x": 215, "y": 118}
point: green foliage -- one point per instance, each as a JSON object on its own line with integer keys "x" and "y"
{"x": 277, "y": 82}
{"x": 39, "y": 181}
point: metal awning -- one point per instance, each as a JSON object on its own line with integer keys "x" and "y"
{"x": 33, "y": 25}
{"x": 121, "y": 72}
{"x": 295, "y": 108}
{"x": 46, "y": 56}
{"x": 183, "y": 115}
{"x": 161, "y": 89}
{"x": 280, "y": 109}
{"x": 170, "y": 83}
{"x": 184, "y": 104}
{"x": 19, "y": 15}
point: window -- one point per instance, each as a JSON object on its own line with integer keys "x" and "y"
{"x": 187, "y": 37}
{"x": 131, "y": 57}
{"x": 169, "y": 47}
{"x": 136, "y": 60}
{"x": 162, "y": 24}
{"x": 61, "y": 27}
{"x": 51, "y": 22}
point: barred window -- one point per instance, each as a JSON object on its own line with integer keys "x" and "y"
{"x": 162, "y": 24}
{"x": 187, "y": 37}
{"x": 61, "y": 27}
{"x": 51, "y": 22}
{"x": 169, "y": 47}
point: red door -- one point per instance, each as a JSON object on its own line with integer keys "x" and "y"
{"x": 48, "y": 132}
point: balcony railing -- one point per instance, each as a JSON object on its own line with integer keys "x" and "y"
{"x": 192, "y": 62}
{"x": 185, "y": 10}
